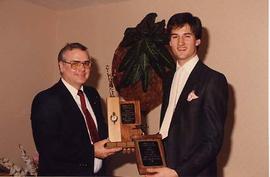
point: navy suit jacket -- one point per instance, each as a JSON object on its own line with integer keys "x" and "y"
{"x": 60, "y": 132}
{"x": 196, "y": 130}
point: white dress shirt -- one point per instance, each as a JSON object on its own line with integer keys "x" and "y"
{"x": 76, "y": 97}
{"x": 179, "y": 80}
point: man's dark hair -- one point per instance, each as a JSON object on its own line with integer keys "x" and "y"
{"x": 71, "y": 46}
{"x": 180, "y": 19}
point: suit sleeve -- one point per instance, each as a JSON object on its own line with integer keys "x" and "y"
{"x": 213, "y": 114}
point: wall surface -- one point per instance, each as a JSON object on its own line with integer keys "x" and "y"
{"x": 27, "y": 52}
{"x": 236, "y": 45}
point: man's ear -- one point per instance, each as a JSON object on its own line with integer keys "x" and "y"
{"x": 60, "y": 65}
{"x": 198, "y": 42}
{"x": 170, "y": 43}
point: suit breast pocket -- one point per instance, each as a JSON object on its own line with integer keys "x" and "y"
{"x": 193, "y": 106}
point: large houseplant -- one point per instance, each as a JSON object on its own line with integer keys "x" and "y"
{"x": 141, "y": 61}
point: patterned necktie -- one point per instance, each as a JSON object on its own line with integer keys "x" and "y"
{"x": 90, "y": 122}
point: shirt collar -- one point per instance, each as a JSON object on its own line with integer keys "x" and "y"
{"x": 70, "y": 88}
{"x": 189, "y": 65}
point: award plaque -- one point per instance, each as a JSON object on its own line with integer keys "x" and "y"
{"x": 149, "y": 152}
{"x": 124, "y": 119}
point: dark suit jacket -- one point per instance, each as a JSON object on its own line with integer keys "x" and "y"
{"x": 60, "y": 132}
{"x": 196, "y": 130}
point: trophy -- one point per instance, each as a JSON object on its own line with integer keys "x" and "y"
{"x": 124, "y": 125}
{"x": 124, "y": 119}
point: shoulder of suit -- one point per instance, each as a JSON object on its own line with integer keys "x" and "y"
{"x": 54, "y": 91}
{"x": 209, "y": 70}
{"x": 90, "y": 90}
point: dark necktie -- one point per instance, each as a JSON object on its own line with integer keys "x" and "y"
{"x": 90, "y": 122}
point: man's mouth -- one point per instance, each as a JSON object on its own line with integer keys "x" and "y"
{"x": 182, "y": 49}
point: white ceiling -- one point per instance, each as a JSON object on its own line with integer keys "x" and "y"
{"x": 69, "y": 4}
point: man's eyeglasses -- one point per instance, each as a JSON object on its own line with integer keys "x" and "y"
{"x": 77, "y": 64}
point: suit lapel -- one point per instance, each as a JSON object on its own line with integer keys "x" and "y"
{"x": 94, "y": 102}
{"x": 71, "y": 108}
{"x": 68, "y": 99}
{"x": 192, "y": 83}
{"x": 91, "y": 98}
{"x": 166, "y": 97}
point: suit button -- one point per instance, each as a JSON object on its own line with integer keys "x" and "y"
{"x": 83, "y": 164}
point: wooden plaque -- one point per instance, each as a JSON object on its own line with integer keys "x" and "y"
{"x": 124, "y": 122}
{"x": 149, "y": 152}
{"x": 114, "y": 119}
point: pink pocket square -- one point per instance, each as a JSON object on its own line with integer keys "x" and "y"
{"x": 192, "y": 96}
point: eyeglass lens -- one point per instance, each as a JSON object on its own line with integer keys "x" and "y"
{"x": 77, "y": 64}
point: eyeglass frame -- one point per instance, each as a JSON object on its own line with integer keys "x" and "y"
{"x": 76, "y": 64}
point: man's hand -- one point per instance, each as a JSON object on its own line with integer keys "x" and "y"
{"x": 128, "y": 150}
{"x": 161, "y": 172}
{"x": 102, "y": 152}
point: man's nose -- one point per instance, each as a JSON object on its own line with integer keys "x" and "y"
{"x": 180, "y": 41}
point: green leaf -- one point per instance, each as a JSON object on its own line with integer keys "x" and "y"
{"x": 146, "y": 48}
{"x": 145, "y": 71}
{"x": 146, "y": 25}
{"x": 131, "y": 37}
{"x": 163, "y": 55}
{"x": 145, "y": 80}
{"x": 128, "y": 60}
{"x": 159, "y": 28}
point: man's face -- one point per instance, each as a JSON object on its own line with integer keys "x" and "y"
{"x": 74, "y": 68}
{"x": 183, "y": 43}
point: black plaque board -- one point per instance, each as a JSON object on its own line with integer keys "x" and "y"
{"x": 149, "y": 152}
{"x": 128, "y": 113}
